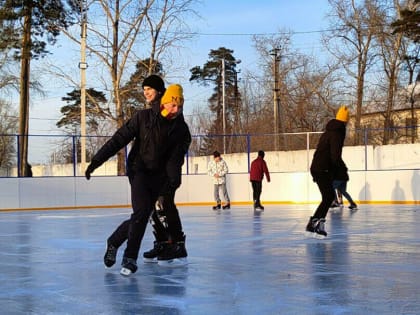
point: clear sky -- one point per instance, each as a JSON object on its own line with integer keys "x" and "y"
{"x": 229, "y": 24}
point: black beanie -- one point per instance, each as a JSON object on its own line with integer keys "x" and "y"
{"x": 155, "y": 82}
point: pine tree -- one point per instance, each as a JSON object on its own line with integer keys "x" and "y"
{"x": 42, "y": 22}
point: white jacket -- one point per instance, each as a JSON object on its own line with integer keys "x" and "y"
{"x": 219, "y": 168}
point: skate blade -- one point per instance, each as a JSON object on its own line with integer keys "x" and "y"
{"x": 314, "y": 235}
{"x": 177, "y": 262}
{"x": 150, "y": 260}
{"x": 125, "y": 272}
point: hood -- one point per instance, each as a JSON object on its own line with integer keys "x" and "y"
{"x": 335, "y": 124}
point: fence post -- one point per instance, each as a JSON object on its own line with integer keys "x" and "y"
{"x": 187, "y": 162}
{"x": 74, "y": 155}
{"x": 365, "y": 139}
{"x": 307, "y": 152}
{"x": 18, "y": 156}
{"x": 248, "y": 150}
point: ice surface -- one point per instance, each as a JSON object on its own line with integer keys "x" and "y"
{"x": 240, "y": 262}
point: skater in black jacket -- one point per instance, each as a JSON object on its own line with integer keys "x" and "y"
{"x": 325, "y": 164}
{"x": 161, "y": 139}
{"x": 340, "y": 186}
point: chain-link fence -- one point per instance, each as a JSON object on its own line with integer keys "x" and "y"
{"x": 60, "y": 155}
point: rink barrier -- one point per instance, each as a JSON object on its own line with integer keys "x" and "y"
{"x": 366, "y": 187}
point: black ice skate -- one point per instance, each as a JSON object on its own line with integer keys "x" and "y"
{"x": 353, "y": 206}
{"x": 320, "y": 227}
{"x": 129, "y": 266}
{"x": 174, "y": 255}
{"x": 226, "y": 206}
{"x": 317, "y": 227}
{"x": 110, "y": 255}
{"x": 217, "y": 207}
{"x": 151, "y": 256}
{"x": 258, "y": 206}
{"x": 335, "y": 204}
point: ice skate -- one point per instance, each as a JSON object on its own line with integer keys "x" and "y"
{"x": 151, "y": 256}
{"x": 226, "y": 206}
{"x": 217, "y": 207}
{"x": 320, "y": 228}
{"x": 316, "y": 228}
{"x": 110, "y": 255}
{"x": 353, "y": 206}
{"x": 129, "y": 266}
{"x": 258, "y": 206}
{"x": 334, "y": 204}
{"x": 174, "y": 255}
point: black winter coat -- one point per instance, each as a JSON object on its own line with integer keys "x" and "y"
{"x": 159, "y": 146}
{"x": 327, "y": 156}
{"x": 342, "y": 173}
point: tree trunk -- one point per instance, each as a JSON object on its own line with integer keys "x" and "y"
{"x": 24, "y": 96}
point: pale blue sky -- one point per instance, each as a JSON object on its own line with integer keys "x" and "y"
{"x": 224, "y": 23}
{"x": 237, "y": 21}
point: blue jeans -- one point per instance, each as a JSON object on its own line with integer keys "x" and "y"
{"x": 217, "y": 188}
{"x": 341, "y": 186}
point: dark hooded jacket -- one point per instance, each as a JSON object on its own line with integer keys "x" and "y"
{"x": 342, "y": 173}
{"x": 159, "y": 146}
{"x": 327, "y": 156}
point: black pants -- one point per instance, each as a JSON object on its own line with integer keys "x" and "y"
{"x": 324, "y": 182}
{"x": 256, "y": 190}
{"x": 145, "y": 190}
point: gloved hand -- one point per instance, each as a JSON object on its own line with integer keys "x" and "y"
{"x": 89, "y": 170}
{"x": 159, "y": 203}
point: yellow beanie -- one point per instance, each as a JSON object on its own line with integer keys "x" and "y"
{"x": 173, "y": 94}
{"x": 343, "y": 114}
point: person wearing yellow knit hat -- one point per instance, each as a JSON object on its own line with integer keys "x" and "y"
{"x": 326, "y": 162}
{"x": 161, "y": 139}
{"x": 172, "y": 101}
{"x": 342, "y": 114}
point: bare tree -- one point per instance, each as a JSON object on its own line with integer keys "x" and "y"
{"x": 117, "y": 32}
{"x": 392, "y": 48}
{"x": 353, "y": 27}
{"x": 306, "y": 90}
{"x": 8, "y": 79}
{"x": 8, "y": 129}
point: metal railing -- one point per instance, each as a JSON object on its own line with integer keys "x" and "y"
{"x": 59, "y": 155}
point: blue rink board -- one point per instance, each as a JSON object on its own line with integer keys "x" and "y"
{"x": 240, "y": 262}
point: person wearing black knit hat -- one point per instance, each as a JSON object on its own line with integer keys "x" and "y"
{"x": 153, "y": 90}
{"x": 155, "y": 82}
{"x": 160, "y": 139}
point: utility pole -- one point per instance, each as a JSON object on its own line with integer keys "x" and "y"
{"x": 276, "y": 97}
{"x": 83, "y": 66}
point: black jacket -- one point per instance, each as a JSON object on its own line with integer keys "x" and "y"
{"x": 342, "y": 173}
{"x": 159, "y": 146}
{"x": 327, "y": 156}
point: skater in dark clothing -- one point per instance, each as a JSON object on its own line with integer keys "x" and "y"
{"x": 256, "y": 175}
{"x": 161, "y": 140}
{"x": 340, "y": 186}
{"x": 325, "y": 164}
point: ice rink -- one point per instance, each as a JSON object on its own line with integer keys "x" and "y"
{"x": 240, "y": 262}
